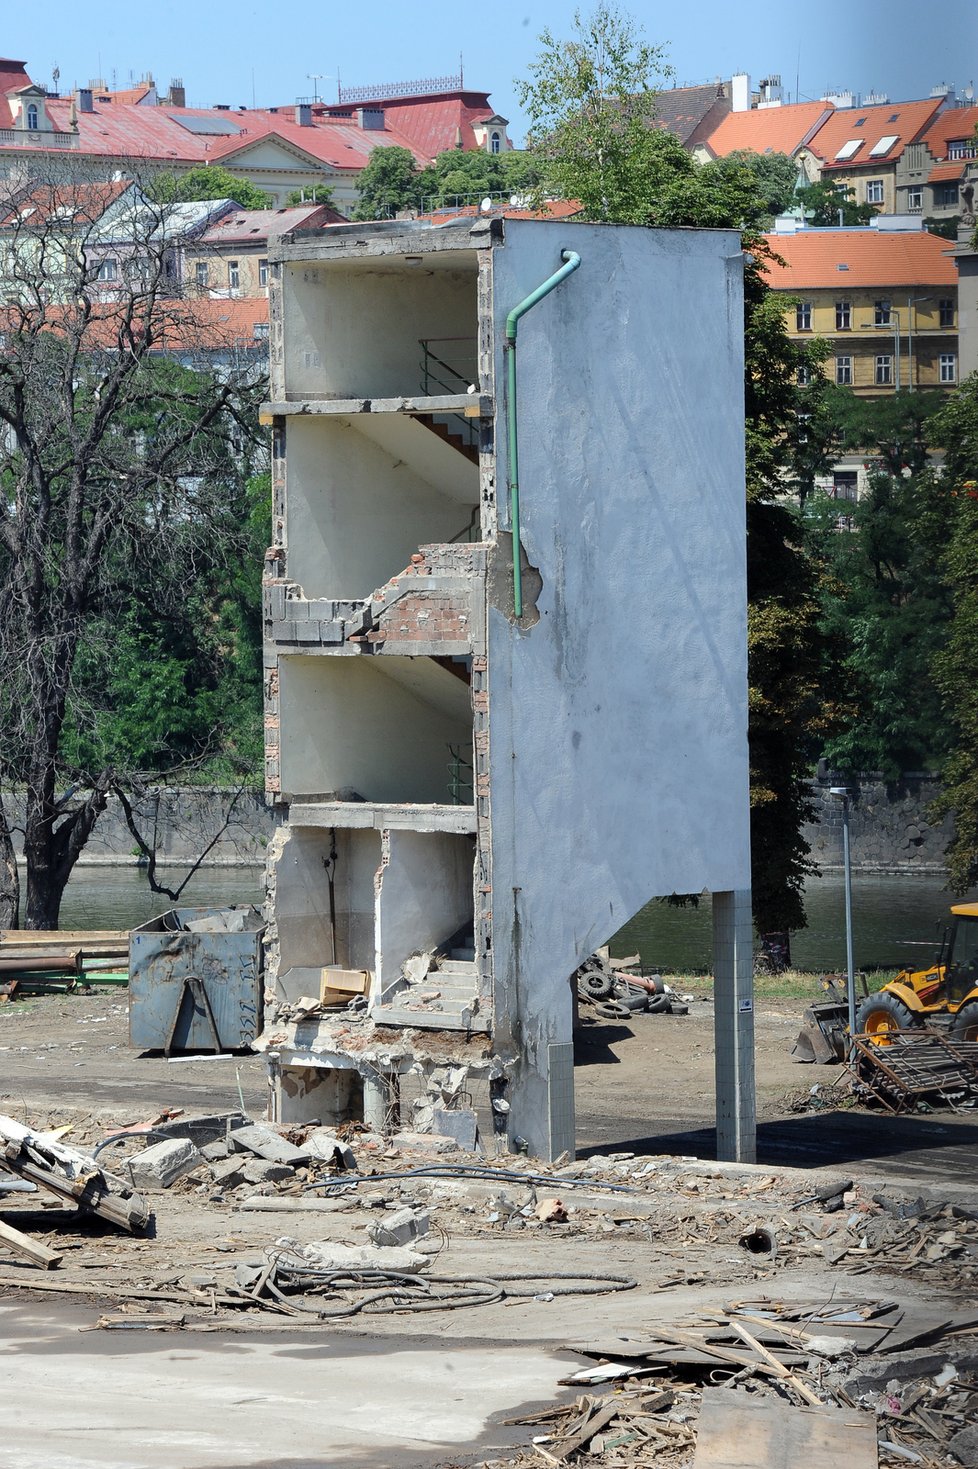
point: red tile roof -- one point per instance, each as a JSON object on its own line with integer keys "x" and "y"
{"x": 904, "y": 121}
{"x": 768, "y": 129}
{"x": 130, "y": 131}
{"x": 948, "y": 126}
{"x": 12, "y": 76}
{"x": 431, "y": 124}
{"x": 870, "y": 257}
{"x": 78, "y": 203}
{"x": 953, "y": 170}
{"x": 259, "y": 226}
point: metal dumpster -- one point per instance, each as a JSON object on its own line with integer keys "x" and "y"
{"x": 195, "y": 980}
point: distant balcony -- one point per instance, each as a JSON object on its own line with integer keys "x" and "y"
{"x": 36, "y": 138}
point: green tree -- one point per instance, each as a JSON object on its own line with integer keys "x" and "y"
{"x": 389, "y": 182}
{"x": 775, "y": 175}
{"x": 955, "y": 430}
{"x": 887, "y": 606}
{"x": 206, "y": 181}
{"x": 591, "y": 102}
{"x": 892, "y": 429}
{"x": 823, "y": 202}
{"x": 123, "y": 492}
{"x": 317, "y": 194}
{"x": 458, "y": 177}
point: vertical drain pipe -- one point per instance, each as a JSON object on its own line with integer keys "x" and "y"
{"x": 571, "y": 261}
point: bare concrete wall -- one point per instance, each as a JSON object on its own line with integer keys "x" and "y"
{"x": 425, "y": 895}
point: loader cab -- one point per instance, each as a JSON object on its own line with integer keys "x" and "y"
{"x": 961, "y": 954}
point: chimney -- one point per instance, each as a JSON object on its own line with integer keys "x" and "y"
{"x": 303, "y": 115}
{"x": 178, "y": 93}
{"x": 740, "y": 92}
{"x": 85, "y": 99}
{"x": 371, "y": 119}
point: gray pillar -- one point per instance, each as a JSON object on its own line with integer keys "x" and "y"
{"x": 733, "y": 1026}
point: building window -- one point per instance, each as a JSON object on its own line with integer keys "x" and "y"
{"x": 949, "y": 367}
{"x": 260, "y": 331}
{"x": 202, "y": 271}
{"x": 843, "y": 372}
{"x": 845, "y": 485}
{"x": 803, "y": 316}
{"x": 881, "y": 315}
{"x": 945, "y": 309}
{"x": 495, "y": 143}
{"x": 884, "y": 370}
{"x": 947, "y": 196}
{"x": 234, "y": 275}
{"x": 874, "y": 191}
{"x": 915, "y": 201}
{"x": 263, "y": 273}
{"x": 108, "y": 270}
{"x": 804, "y": 375}
{"x": 32, "y": 118}
{"x": 843, "y": 316}
{"x": 961, "y": 148}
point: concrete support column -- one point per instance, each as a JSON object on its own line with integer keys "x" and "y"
{"x": 382, "y": 1101}
{"x": 733, "y": 1026}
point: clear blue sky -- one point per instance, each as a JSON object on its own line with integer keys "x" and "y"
{"x": 235, "y": 50}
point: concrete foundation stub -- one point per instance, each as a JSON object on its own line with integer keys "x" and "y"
{"x": 733, "y": 998}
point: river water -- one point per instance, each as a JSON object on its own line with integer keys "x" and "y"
{"x": 895, "y": 919}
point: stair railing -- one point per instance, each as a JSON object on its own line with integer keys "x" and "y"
{"x": 437, "y": 374}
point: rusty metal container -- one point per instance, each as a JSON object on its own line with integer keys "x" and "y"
{"x": 195, "y": 980}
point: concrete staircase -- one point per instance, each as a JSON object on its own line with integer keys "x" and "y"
{"x": 453, "y": 989}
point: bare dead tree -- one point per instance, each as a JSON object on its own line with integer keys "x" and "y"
{"x": 127, "y": 424}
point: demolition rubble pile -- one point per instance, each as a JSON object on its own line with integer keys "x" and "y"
{"x": 832, "y": 1314}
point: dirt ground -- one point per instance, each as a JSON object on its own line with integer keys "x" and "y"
{"x": 214, "y": 1384}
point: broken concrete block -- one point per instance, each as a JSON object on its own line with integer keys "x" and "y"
{"x": 229, "y": 1172}
{"x": 327, "y": 1256}
{"x": 425, "y": 1142}
{"x": 325, "y": 1147}
{"x": 161, "y": 1165}
{"x": 461, "y": 1124}
{"x": 964, "y": 1446}
{"x": 209, "y": 1128}
{"x": 266, "y": 1143}
{"x": 214, "y": 1152}
{"x": 261, "y": 1170}
{"x": 402, "y": 1227}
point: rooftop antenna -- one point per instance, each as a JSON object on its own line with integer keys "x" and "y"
{"x": 461, "y": 73}
{"x": 315, "y": 77}
{"x": 798, "y": 75}
{"x": 55, "y": 76}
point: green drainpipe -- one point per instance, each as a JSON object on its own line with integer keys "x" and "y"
{"x": 571, "y": 261}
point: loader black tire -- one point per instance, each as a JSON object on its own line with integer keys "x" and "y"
{"x": 880, "y": 1013}
{"x": 964, "y": 1026}
{"x": 595, "y": 984}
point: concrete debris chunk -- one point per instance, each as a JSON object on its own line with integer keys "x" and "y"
{"x": 461, "y": 1125}
{"x": 324, "y": 1255}
{"x": 324, "y": 1146}
{"x": 266, "y": 1143}
{"x": 203, "y": 1130}
{"x": 402, "y": 1227}
{"x": 425, "y": 1142}
{"x": 158, "y": 1167}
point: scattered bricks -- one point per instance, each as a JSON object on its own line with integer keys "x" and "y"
{"x": 157, "y": 1167}
{"x": 402, "y": 1227}
{"x": 266, "y": 1143}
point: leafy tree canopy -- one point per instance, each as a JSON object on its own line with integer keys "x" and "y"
{"x": 206, "y": 181}
{"x": 388, "y": 183}
{"x": 824, "y": 201}
{"x": 775, "y": 174}
{"x": 318, "y": 194}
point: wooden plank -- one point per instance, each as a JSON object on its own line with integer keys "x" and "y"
{"x": 740, "y": 1432}
{"x": 24, "y": 1245}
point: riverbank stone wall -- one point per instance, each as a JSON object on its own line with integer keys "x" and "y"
{"x": 891, "y": 827}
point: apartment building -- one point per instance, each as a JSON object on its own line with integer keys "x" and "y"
{"x": 231, "y": 257}
{"x": 886, "y": 302}
{"x": 505, "y": 651}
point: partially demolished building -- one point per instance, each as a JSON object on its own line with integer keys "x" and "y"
{"x": 505, "y": 660}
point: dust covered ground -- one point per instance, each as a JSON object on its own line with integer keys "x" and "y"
{"x": 164, "y": 1348}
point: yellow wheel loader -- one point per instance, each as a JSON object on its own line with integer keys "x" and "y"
{"x": 945, "y": 994}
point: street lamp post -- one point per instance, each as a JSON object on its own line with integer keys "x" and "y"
{"x": 841, "y": 793}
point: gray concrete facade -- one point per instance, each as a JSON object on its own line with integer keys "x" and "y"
{"x": 476, "y": 801}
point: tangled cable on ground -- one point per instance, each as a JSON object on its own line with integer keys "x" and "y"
{"x": 468, "y": 1170}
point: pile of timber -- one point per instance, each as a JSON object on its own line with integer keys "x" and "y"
{"x": 35, "y": 960}
{"x": 41, "y": 1159}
